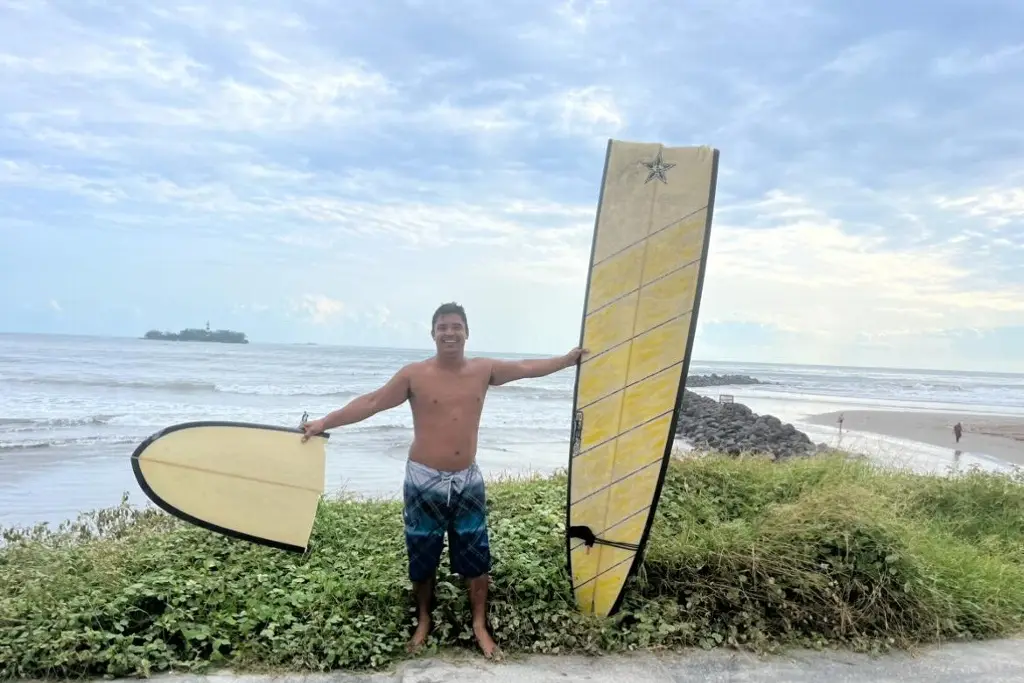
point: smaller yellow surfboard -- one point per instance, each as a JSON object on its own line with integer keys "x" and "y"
{"x": 254, "y": 482}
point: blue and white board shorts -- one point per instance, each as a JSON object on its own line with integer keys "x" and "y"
{"x": 439, "y": 502}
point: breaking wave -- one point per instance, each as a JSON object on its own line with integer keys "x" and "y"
{"x": 40, "y": 444}
{"x": 190, "y": 387}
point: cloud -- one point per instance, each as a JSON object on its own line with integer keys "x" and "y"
{"x": 591, "y": 108}
{"x": 999, "y": 206}
{"x": 802, "y": 270}
{"x": 285, "y": 168}
{"x": 320, "y": 308}
{"x": 579, "y": 13}
{"x": 964, "y": 62}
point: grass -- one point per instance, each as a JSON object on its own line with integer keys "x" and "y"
{"x": 745, "y": 552}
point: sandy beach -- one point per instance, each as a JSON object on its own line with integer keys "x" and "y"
{"x": 998, "y": 436}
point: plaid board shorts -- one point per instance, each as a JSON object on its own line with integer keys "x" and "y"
{"x": 437, "y": 503}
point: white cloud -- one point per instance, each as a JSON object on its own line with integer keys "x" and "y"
{"x": 964, "y": 62}
{"x": 381, "y": 314}
{"x": 1000, "y": 206}
{"x": 805, "y": 272}
{"x": 321, "y": 308}
{"x": 591, "y": 109}
{"x": 578, "y": 13}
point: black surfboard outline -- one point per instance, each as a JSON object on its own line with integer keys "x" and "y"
{"x": 184, "y": 516}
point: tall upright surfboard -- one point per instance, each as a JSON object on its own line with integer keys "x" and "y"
{"x": 254, "y": 482}
{"x": 644, "y": 284}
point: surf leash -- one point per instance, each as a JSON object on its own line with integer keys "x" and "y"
{"x": 585, "y": 534}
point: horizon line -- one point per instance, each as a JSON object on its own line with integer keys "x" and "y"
{"x": 520, "y": 353}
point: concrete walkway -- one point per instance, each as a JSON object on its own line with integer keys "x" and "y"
{"x": 996, "y": 661}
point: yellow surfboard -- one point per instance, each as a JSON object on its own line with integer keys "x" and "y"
{"x": 646, "y": 272}
{"x": 258, "y": 483}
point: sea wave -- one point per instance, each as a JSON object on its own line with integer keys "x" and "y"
{"x": 170, "y": 385}
{"x": 184, "y": 386}
{"x": 191, "y": 386}
{"x": 278, "y": 390}
{"x": 20, "y": 424}
{"x": 378, "y": 430}
{"x": 40, "y": 444}
{"x": 532, "y": 391}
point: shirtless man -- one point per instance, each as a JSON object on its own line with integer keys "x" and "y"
{"x": 444, "y": 489}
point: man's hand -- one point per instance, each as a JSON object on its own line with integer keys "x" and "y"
{"x": 575, "y": 355}
{"x": 312, "y": 429}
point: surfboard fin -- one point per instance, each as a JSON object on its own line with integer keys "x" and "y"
{"x": 585, "y": 534}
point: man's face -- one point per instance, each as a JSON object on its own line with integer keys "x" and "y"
{"x": 449, "y": 334}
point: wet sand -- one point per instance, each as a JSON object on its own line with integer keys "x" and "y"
{"x": 998, "y": 436}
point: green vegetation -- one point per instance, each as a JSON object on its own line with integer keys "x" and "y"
{"x": 200, "y": 335}
{"x": 745, "y": 552}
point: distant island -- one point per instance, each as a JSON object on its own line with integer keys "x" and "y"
{"x": 199, "y": 335}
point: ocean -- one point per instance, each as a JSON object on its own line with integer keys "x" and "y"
{"x": 72, "y": 409}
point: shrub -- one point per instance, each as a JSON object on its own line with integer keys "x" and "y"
{"x": 744, "y": 552}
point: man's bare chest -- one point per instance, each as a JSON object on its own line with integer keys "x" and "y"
{"x": 445, "y": 394}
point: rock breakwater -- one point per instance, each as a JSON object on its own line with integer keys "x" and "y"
{"x": 716, "y": 380}
{"x": 734, "y": 428}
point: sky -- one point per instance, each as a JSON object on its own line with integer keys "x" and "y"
{"x": 330, "y": 172}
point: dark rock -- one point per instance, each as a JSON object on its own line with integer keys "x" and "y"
{"x": 734, "y": 428}
{"x": 716, "y": 380}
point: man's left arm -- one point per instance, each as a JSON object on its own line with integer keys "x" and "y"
{"x": 505, "y": 371}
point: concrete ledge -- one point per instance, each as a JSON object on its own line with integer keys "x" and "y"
{"x": 995, "y": 661}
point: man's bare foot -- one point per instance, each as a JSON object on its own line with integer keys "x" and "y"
{"x": 487, "y": 644}
{"x": 419, "y": 636}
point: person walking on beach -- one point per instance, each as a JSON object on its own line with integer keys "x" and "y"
{"x": 444, "y": 488}
{"x": 957, "y": 431}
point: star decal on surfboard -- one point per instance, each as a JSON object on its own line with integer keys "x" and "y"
{"x": 657, "y": 169}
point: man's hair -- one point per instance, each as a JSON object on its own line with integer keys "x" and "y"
{"x": 446, "y": 309}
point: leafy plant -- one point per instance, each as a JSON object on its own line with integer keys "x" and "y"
{"x": 744, "y": 552}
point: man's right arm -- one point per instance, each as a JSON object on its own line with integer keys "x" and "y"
{"x": 391, "y": 395}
